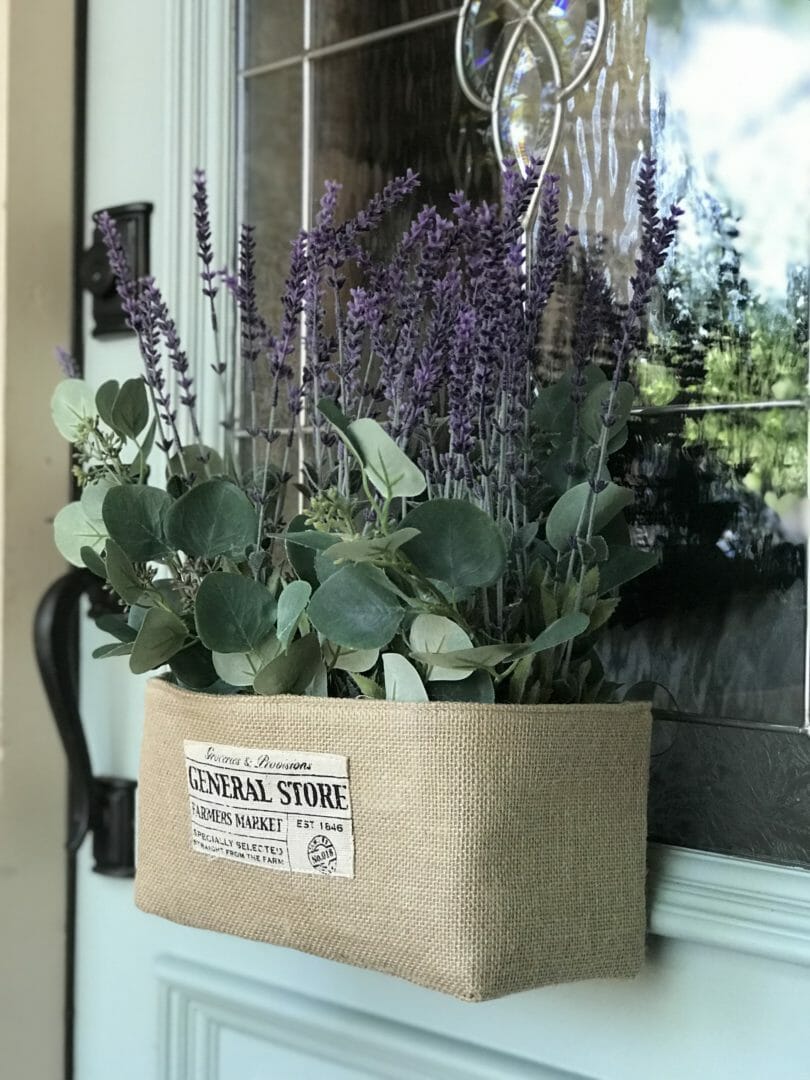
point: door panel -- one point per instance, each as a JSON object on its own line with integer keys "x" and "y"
{"x": 157, "y": 1001}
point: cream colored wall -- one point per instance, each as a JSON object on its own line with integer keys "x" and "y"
{"x": 36, "y": 118}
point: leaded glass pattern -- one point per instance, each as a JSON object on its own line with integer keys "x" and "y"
{"x": 718, "y": 451}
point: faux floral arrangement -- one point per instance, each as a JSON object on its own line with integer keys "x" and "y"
{"x": 461, "y": 537}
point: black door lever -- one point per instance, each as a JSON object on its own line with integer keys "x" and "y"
{"x": 103, "y": 805}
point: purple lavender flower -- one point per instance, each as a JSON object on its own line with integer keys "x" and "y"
{"x": 67, "y": 363}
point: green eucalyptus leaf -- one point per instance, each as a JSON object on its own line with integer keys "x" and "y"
{"x": 196, "y": 457}
{"x": 402, "y": 682}
{"x": 355, "y": 609}
{"x": 162, "y": 634}
{"x": 489, "y": 656}
{"x": 129, "y": 413}
{"x": 593, "y": 551}
{"x": 569, "y": 514}
{"x": 458, "y": 543}
{"x": 302, "y": 544}
{"x": 624, "y": 564}
{"x": 292, "y": 603}
{"x": 213, "y": 518}
{"x": 324, "y": 566}
{"x": 134, "y": 516}
{"x": 72, "y": 405}
{"x": 437, "y": 634}
{"x": 594, "y": 404}
{"x": 351, "y": 660}
{"x": 116, "y": 625}
{"x": 369, "y": 550}
{"x": 92, "y": 500}
{"x": 193, "y": 667}
{"x": 72, "y": 532}
{"x": 553, "y": 409}
{"x": 293, "y": 671}
{"x": 234, "y": 614}
{"x": 105, "y": 397}
{"x": 116, "y": 648}
{"x": 476, "y": 687}
{"x": 337, "y": 418}
{"x": 318, "y": 685}
{"x": 94, "y": 562}
{"x": 240, "y": 669}
{"x": 123, "y": 576}
{"x": 368, "y": 687}
{"x": 388, "y": 467}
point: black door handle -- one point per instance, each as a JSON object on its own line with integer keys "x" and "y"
{"x": 103, "y": 805}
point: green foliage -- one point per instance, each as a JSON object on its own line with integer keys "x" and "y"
{"x": 213, "y": 518}
{"x": 234, "y": 613}
{"x": 134, "y": 516}
{"x": 458, "y": 544}
{"x": 292, "y": 603}
{"x": 292, "y": 671}
{"x": 72, "y": 406}
{"x": 73, "y": 533}
{"x": 417, "y": 571}
{"x": 402, "y": 682}
{"x": 162, "y": 634}
{"x": 354, "y": 608}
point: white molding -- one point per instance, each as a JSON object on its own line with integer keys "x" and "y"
{"x": 198, "y": 1003}
{"x": 200, "y": 95}
{"x": 750, "y": 907}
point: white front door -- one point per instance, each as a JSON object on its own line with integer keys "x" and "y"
{"x": 155, "y": 1001}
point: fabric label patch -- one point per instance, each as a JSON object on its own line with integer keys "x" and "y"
{"x": 279, "y": 809}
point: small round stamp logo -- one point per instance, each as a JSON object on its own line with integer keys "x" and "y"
{"x": 322, "y": 854}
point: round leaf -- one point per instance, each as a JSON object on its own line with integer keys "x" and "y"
{"x": 595, "y": 403}
{"x": 162, "y": 634}
{"x": 402, "y": 682}
{"x": 92, "y": 501}
{"x": 134, "y": 517}
{"x": 458, "y": 543}
{"x": 351, "y": 660}
{"x": 213, "y": 518}
{"x": 193, "y": 668}
{"x": 436, "y": 634}
{"x": 72, "y": 532}
{"x": 129, "y": 414}
{"x": 240, "y": 669}
{"x": 293, "y": 671}
{"x": 72, "y": 404}
{"x": 196, "y": 456}
{"x": 353, "y": 608}
{"x": 388, "y": 468}
{"x": 568, "y": 516}
{"x": 234, "y": 614}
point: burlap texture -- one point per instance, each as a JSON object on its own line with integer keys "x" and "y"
{"x": 497, "y": 847}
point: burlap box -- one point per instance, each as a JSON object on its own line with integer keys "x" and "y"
{"x": 496, "y": 847}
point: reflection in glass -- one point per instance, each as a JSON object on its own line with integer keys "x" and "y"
{"x": 721, "y": 623}
{"x": 338, "y": 20}
{"x": 396, "y": 104}
{"x": 272, "y": 178}
{"x": 270, "y": 31}
{"x": 731, "y": 324}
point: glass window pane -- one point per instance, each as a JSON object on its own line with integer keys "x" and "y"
{"x": 395, "y": 104}
{"x": 338, "y": 20}
{"x": 271, "y": 30}
{"x": 272, "y": 175}
{"x": 721, "y": 622}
